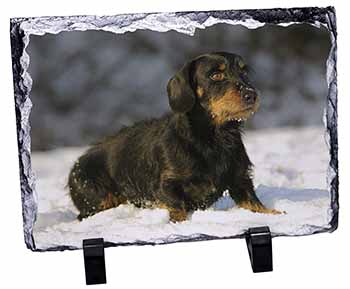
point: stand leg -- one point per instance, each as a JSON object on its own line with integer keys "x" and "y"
{"x": 259, "y": 243}
{"x": 94, "y": 260}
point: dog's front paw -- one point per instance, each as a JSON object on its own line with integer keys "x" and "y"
{"x": 259, "y": 208}
{"x": 273, "y": 212}
{"x": 177, "y": 215}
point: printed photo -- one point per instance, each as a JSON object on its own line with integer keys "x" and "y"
{"x": 150, "y": 137}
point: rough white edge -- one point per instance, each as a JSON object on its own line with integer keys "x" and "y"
{"x": 160, "y": 22}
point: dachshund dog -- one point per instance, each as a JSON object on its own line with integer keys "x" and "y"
{"x": 186, "y": 159}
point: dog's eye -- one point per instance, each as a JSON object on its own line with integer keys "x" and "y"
{"x": 217, "y": 76}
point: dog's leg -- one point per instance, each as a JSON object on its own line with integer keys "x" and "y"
{"x": 175, "y": 215}
{"x": 244, "y": 196}
{"x": 257, "y": 207}
{"x": 172, "y": 198}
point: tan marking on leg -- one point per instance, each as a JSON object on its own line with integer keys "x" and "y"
{"x": 257, "y": 208}
{"x": 175, "y": 215}
{"x": 112, "y": 201}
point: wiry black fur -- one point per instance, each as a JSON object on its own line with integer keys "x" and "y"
{"x": 182, "y": 160}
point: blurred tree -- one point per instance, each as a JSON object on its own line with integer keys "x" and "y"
{"x": 89, "y": 84}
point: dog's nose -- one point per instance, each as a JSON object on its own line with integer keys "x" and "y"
{"x": 249, "y": 96}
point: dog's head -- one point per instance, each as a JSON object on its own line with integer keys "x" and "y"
{"x": 219, "y": 83}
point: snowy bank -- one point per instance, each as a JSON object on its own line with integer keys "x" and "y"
{"x": 290, "y": 175}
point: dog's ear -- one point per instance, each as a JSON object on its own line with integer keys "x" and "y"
{"x": 180, "y": 92}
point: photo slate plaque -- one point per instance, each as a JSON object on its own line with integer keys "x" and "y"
{"x": 157, "y": 128}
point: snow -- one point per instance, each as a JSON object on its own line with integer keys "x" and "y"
{"x": 290, "y": 175}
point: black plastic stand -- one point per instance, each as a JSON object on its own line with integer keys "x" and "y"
{"x": 94, "y": 260}
{"x": 259, "y": 243}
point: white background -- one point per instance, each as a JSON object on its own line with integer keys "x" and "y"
{"x": 318, "y": 261}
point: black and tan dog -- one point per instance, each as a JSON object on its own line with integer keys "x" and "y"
{"x": 184, "y": 160}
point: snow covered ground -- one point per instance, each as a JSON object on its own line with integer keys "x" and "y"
{"x": 290, "y": 175}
